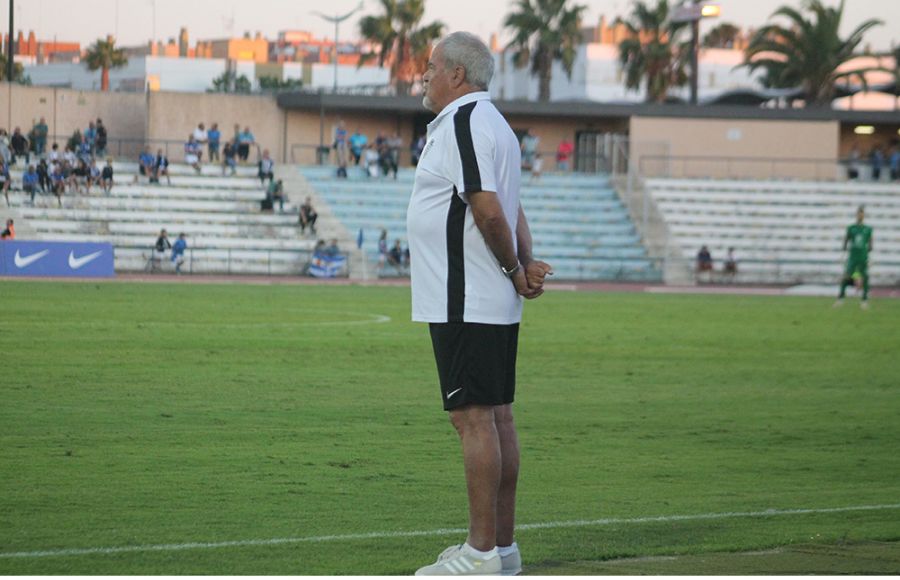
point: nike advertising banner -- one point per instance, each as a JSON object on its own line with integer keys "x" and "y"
{"x": 82, "y": 260}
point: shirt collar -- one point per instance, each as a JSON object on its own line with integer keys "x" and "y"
{"x": 459, "y": 102}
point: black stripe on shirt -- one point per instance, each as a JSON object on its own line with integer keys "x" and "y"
{"x": 463, "y": 128}
{"x": 456, "y": 265}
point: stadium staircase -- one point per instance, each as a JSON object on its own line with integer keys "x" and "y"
{"x": 782, "y": 231}
{"x": 578, "y": 223}
{"x": 226, "y": 230}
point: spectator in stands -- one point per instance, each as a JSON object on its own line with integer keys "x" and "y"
{"x": 202, "y": 138}
{"x": 58, "y": 181}
{"x": 876, "y": 159}
{"x": 161, "y": 167}
{"x": 395, "y": 256}
{"x": 85, "y": 152}
{"x": 332, "y": 250}
{"x": 530, "y": 143}
{"x": 145, "y": 164}
{"x": 5, "y": 151}
{"x": 415, "y": 149}
{"x": 30, "y": 182}
{"x": 274, "y": 193}
{"x": 178, "y": 252}
{"x": 102, "y": 139}
{"x": 213, "y": 137}
{"x": 394, "y": 144}
{"x": 40, "y": 137}
{"x": 308, "y": 217}
{"x": 89, "y": 137}
{"x": 245, "y": 140}
{"x": 704, "y": 263}
{"x": 192, "y": 153}
{"x": 372, "y": 161}
{"x": 894, "y": 162}
{"x": 537, "y": 165}
{"x": 77, "y": 176}
{"x": 10, "y": 232}
{"x": 382, "y": 250}
{"x": 266, "y": 168}
{"x": 358, "y": 142}
{"x": 20, "y": 146}
{"x": 564, "y": 154}
{"x": 54, "y": 155}
{"x": 162, "y": 242}
{"x": 43, "y": 171}
{"x": 93, "y": 177}
{"x": 853, "y": 163}
{"x": 106, "y": 177}
{"x": 229, "y": 158}
{"x": 730, "y": 268}
{"x": 5, "y": 181}
{"x": 340, "y": 146}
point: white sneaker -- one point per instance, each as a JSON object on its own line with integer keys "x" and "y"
{"x": 459, "y": 561}
{"x": 512, "y": 562}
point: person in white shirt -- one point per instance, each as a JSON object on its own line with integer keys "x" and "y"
{"x": 470, "y": 267}
{"x": 201, "y": 137}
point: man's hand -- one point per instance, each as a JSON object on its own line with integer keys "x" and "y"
{"x": 522, "y": 287}
{"x": 535, "y": 272}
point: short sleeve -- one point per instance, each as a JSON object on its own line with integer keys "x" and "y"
{"x": 471, "y": 165}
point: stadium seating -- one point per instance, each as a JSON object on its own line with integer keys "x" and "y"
{"x": 578, "y": 223}
{"x": 227, "y": 232}
{"x": 782, "y": 231}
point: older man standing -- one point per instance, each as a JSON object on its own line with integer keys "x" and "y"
{"x": 471, "y": 265}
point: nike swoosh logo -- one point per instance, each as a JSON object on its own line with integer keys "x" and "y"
{"x": 76, "y": 263}
{"x": 28, "y": 260}
{"x": 450, "y": 394}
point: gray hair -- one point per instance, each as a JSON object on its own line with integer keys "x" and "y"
{"x": 468, "y": 51}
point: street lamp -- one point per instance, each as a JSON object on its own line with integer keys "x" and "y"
{"x": 694, "y": 13}
{"x": 337, "y": 20}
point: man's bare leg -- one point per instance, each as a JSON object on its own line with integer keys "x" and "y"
{"x": 509, "y": 453}
{"x": 481, "y": 457}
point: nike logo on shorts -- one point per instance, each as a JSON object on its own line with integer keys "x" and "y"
{"x": 451, "y": 393}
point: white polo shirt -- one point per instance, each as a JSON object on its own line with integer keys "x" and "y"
{"x": 455, "y": 276}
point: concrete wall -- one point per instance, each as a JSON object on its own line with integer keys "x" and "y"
{"x": 725, "y": 148}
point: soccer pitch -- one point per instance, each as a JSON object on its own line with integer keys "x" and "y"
{"x": 239, "y": 429}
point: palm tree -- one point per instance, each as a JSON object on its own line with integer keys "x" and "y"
{"x": 722, "y": 36}
{"x": 652, "y": 54}
{"x": 18, "y": 71}
{"x": 104, "y": 55}
{"x": 808, "y": 53}
{"x": 403, "y": 42}
{"x": 545, "y": 31}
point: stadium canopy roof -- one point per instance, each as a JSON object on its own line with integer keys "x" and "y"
{"x": 322, "y": 102}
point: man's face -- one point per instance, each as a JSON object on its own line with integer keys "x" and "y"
{"x": 860, "y": 216}
{"x": 436, "y": 82}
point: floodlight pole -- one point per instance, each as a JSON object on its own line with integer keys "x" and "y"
{"x": 337, "y": 20}
{"x": 11, "y": 53}
{"x": 695, "y": 57}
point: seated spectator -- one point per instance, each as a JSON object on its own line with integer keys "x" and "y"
{"x": 86, "y": 151}
{"x": 358, "y": 142}
{"x": 178, "y": 252}
{"x": 382, "y": 250}
{"x": 894, "y": 162}
{"x": 43, "y": 171}
{"x": 213, "y": 137}
{"x": 20, "y": 146}
{"x": 308, "y": 217}
{"x": 266, "y": 168}
{"x": 160, "y": 167}
{"x": 102, "y": 138}
{"x": 201, "y": 136}
{"x": 274, "y": 193}
{"x": 192, "y": 153}
{"x": 229, "y": 158}
{"x": 54, "y": 155}
{"x": 58, "y": 181}
{"x": 5, "y": 181}
{"x": 372, "y": 161}
{"x": 162, "y": 242}
{"x": 394, "y": 144}
{"x": 78, "y": 176}
{"x": 10, "y": 232}
{"x": 30, "y": 181}
{"x": 69, "y": 156}
{"x": 396, "y": 256}
{"x": 145, "y": 165}
{"x": 93, "y": 176}
{"x": 332, "y": 250}
{"x": 537, "y": 165}
{"x": 245, "y": 140}
{"x": 704, "y": 262}
{"x": 106, "y": 177}
{"x": 730, "y": 268}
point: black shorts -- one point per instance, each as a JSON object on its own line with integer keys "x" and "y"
{"x": 476, "y": 362}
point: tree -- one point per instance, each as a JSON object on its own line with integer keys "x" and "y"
{"x": 18, "y": 72}
{"x": 544, "y": 31}
{"x": 402, "y": 41}
{"x": 652, "y": 53}
{"x": 104, "y": 55}
{"x": 276, "y": 85}
{"x": 722, "y": 36}
{"x": 230, "y": 82}
{"x": 808, "y": 53}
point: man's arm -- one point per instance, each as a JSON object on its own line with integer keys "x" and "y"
{"x": 846, "y": 239}
{"x": 491, "y": 222}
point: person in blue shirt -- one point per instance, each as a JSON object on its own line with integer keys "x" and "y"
{"x": 213, "y": 138}
{"x": 894, "y": 163}
{"x": 245, "y": 140}
{"x": 90, "y": 137}
{"x": 358, "y": 142}
{"x": 178, "y": 252}
{"x": 30, "y": 182}
{"x": 145, "y": 164}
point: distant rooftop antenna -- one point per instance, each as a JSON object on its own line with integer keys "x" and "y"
{"x": 229, "y": 23}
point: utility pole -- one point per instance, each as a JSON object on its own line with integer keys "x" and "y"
{"x": 695, "y": 57}
{"x": 337, "y": 20}
{"x": 12, "y": 45}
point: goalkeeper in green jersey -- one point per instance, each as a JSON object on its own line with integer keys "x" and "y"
{"x": 859, "y": 240}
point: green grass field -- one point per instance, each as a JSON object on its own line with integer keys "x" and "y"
{"x": 301, "y": 432}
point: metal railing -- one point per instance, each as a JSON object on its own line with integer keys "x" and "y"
{"x": 131, "y": 149}
{"x": 755, "y": 168}
{"x": 156, "y": 261}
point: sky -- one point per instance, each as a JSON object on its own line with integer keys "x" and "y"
{"x": 133, "y": 22}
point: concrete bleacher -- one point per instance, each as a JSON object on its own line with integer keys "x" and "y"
{"x": 782, "y": 231}
{"x": 578, "y": 223}
{"x": 226, "y": 230}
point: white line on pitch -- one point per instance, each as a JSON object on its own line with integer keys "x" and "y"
{"x": 438, "y": 532}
